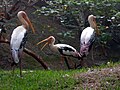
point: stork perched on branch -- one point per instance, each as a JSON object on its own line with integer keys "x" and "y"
{"x": 18, "y": 38}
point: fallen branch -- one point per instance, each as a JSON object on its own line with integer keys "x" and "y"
{"x": 31, "y": 53}
{"x": 36, "y": 57}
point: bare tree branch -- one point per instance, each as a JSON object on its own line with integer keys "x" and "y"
{"x": 20, "y": 5}
{"x": 36, "y": 57}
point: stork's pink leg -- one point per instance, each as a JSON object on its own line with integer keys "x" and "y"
{"x": 66, "y": 61}
{"x": 20, "y": 62}
{"x": 61, "y": 60}
{"x": 20, "y": 65}
{"x": 13, "y": 69}
{"x": 92, "y": 54}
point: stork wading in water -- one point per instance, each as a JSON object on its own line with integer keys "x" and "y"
{"x": 18, "y": 38}
{"x": 62, "y": 49}
{"x": 88, "y": 37}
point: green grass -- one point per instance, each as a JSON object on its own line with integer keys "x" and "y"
{"x": 38, "y": 79}
{"x": 46, "y": 79}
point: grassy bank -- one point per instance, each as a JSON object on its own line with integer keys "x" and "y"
{"x": 101, "y": 77}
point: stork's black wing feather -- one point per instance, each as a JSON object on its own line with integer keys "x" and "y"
{"x": 92, "y": 39}
{"x": 61, "y": 49}
{"x": 23, "y": 41}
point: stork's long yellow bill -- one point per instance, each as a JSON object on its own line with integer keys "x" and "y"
{"x": 32, "y": 27}
{"x": 42, "y": 42}
{"x": 29, "y": 22}
{"x": 44, "y": 45}
{"x": 96, "y": 27}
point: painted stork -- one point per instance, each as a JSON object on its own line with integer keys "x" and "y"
{"x": 88, "y": 36}
{"x": 62, "y": 49}
{"x": 18, "y": 38}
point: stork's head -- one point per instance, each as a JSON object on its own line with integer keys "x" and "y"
{"x": 92, "y": 22}
{"x": 49, "y": 40}
{"x": 25, "y": 20}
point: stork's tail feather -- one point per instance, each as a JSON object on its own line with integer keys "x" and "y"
{"x": 15, "y": 56}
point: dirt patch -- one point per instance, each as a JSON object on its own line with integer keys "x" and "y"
{"x": 97, "y": 79}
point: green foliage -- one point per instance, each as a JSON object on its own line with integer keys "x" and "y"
{"x": 67, "y": 10}
{"x": 69, "y": 34}
{"x": 105, "y": 37}
{"x": 70, "y": 13}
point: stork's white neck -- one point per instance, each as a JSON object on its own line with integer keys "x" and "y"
{"x": 52, "y": 43}
{"x": 52, "y": 46}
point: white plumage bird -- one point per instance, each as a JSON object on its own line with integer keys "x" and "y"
{"x": 88, "y": 36}
{"x": 18, "y": 38}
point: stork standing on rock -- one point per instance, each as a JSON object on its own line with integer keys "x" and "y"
{"x": 18, "y": 38}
